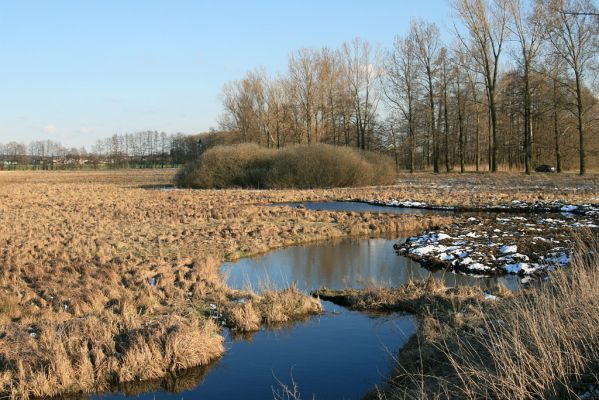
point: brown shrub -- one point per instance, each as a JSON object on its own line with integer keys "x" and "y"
{"x": 300, "y": 166}
{"x": 241, "y": 165}
{"x": 271, "y": 308}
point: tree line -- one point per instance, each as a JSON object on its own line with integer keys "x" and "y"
{"x": 513, "y": 87}
{"x": 147, "y": 149}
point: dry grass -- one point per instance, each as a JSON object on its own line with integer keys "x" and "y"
{"x": 271, "y": 308}
{"x": 98, "y": 275}
{"x": 542, "y": 344}
{"x": 104, "y": 282}
{"x": 430, "y": 296}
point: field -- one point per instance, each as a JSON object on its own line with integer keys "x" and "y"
{"x": 107, "y": 278}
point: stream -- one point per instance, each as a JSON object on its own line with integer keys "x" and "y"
{"x": 340, "y": 354}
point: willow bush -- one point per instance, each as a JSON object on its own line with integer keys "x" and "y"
{"x": 301, "y": 167}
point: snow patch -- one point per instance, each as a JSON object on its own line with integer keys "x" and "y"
{"x": 508, "y": 249}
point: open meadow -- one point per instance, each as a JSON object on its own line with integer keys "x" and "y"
{"x": 112, "y": 276}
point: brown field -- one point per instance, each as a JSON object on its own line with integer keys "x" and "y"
{"x": 105, "y": 281}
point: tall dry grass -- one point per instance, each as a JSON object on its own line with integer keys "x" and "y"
{"x": 103, "y": 283}
{"x": 301, "y": 166}
{"x": 543, "y": 344}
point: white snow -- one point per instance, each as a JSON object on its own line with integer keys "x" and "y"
{"x": 421, "y": 251}
{"x": 505, "y": 249}
{"x": 521, "y": 267}
{"x": 478, "y": 267}
{"x": 489, "y": 296}
{"x": 446, "y": 257}
{"x": 568, "y": 208}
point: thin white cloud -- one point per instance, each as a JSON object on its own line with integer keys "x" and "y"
{"x": 51, "y": 129}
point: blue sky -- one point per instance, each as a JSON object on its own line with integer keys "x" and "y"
{"x": 75, "y": 71}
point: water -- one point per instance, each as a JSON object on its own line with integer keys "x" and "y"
{"x": 340, "y": 264}
{"x": 338, "y": 355}
{"x": 341, "y": 354}
{"x": 357, "y": 206}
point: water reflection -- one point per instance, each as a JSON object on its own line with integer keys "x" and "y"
{"x": 340, "y": 264}
{"x": 357, "y": 206}
{"x": 339, "y": 355}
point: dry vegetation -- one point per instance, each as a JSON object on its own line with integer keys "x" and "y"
{"x": 480, "y": 190}
{"x": 104, "y": 281}
{"x": 541, "y": 343}
{"x": 300, "y": 166}
{"x": 416, "y": 297}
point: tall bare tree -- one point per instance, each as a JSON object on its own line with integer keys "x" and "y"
{"x": 574, "y": 35}
{"x": 303, "y": 80}
{"x": 486, "y": 24}
{"x": 399, "y": 86}
{"x": 361, "y": 61}
{"x": 527, "y": 27}
{"x": 426, "y": 37}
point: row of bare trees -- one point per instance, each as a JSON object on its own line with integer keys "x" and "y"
{"x": 147, "y": 149}
{"x": 39, "y": 154}
{"x": 513, "y": 87}
{"x": 327, "y": 96}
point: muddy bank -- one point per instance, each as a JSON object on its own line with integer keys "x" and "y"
{"x": 431, "y": 296}
{"x": 515, "y": 206}
{"x": 525, "y": 246}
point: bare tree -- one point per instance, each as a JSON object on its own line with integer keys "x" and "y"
{"x": 303, "y": 82}
{"x": 486, "y": 22}
{"x": 361, "y": 61}
{"x": 426, "y": 37}
{"x": 399, "y": 86}
{"x": 574, "y": 36}
{"x": 527, "y": 27}
{"x": 445, "y": 78}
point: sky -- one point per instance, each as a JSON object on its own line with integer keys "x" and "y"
{"x": 76, "y": 71}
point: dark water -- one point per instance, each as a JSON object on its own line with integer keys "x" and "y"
{"x": 332, "y": 356}
{"x": 356, "y": 206}
{"x": 361, "y": 207}
{"x": 341, "y": 264}
{"x": 341, "y": 354}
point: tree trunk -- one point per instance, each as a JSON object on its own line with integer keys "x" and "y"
{"x": 431, "y": 101}
{"x": 527, "y": 123}
{"x": 461, "y": 130}
{"x": 446, "y": 126}
{"x": 556, "y": 133}
{"x": 580, "y": 116}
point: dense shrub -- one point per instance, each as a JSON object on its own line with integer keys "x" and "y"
{"x": 242, "y": 165}
{"x": 301, "y": 166}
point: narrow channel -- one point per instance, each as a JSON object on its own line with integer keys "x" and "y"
{"x": 341, "y": 354}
